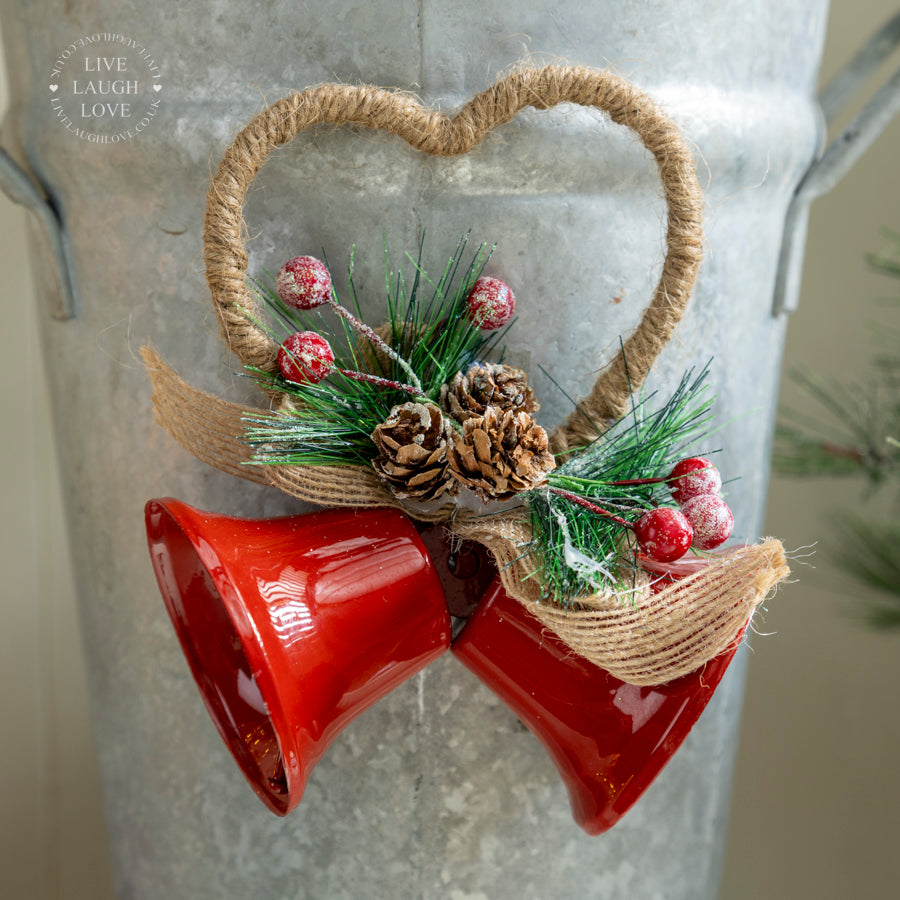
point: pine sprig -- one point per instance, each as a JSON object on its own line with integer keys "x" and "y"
{"x": 855, "y": 438}
{"x": 887, "y": 262}
{"x": 322, "y": 432}
{"x": 435, "y": 335}
{"x": 427, "y": 327}
{"x": 860, "y": 431}
{"x": 580, "y": 552}
{"x": 870, "y": 551}
{"x": 859, "y": 434}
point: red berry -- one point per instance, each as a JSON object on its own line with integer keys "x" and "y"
{"x": 692, "y": 477}
{"x": 664, "y": 534}
{"x": 490, "y": 303}
{"x": 303, "y": 282}
{"x": 711, "y": 520}
{"x": 305, "y": 358}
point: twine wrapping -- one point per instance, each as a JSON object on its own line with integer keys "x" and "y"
{"x": 643, "y": 640}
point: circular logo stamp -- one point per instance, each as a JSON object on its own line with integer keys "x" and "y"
{"x": 105, "y": 88}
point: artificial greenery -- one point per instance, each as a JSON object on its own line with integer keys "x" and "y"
{"x": 331, "y": 423}
{"x": 580, "y": 551}
{"x": 859, "y": 437}
{"x": 581, "y": 513}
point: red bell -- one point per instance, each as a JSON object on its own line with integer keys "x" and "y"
{"x": 293, "y": 626}
{"x": 609, "y": 740}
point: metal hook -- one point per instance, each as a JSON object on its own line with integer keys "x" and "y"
{"x": 841, "y": 155}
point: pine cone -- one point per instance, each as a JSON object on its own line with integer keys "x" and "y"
{"x": 412, "y": 452}
{"x": 469, "y": 394}
{"x": 500, "y": 453}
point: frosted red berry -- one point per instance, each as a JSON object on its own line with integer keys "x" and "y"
{"x": 693, "y": 477}
{"x": 305, "y": 358}
{"x": 711, "y": 520}
{"x": 490, "y": 303}
{"x": 303, "y": 282}
{"x": 664, "y": 534}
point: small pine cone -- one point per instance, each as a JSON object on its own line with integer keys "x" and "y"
{"x": 469, "y": 394}
{"x": 412, "y": 452}
{"x": 500, "y": 453}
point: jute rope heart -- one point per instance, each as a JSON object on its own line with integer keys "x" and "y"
{"x": 436, "y": 134}
{"x": 209, "y": 427}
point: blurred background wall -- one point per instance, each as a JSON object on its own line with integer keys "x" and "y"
{"x": 816, "y": 808}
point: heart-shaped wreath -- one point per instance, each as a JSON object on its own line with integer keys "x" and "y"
{"x": 412, "y": 415}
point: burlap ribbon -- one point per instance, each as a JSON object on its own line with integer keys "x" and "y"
{"x": 642, "y": 639}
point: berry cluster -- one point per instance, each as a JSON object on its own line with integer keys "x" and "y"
{"x": 304, "y": 283}
{"x": 703, "y": 521}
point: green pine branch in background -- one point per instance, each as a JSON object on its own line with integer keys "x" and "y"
{"x": 870, "y": 552}
{"x": 859, "y": 436}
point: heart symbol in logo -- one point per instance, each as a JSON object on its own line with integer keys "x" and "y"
{"x": 54, "y": 88}
{"x": 157, "y": 87}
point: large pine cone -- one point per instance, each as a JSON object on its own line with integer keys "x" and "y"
{"x": 412, "y": 452}
{"x": 500, "y": 453}
{"x": 469, "y": 394}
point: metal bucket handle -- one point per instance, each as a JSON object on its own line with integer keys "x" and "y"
{"x": 433, "y": 132}
{"x": 842, "y": 154}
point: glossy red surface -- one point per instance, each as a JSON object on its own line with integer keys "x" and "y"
{"x": 293, "y": 626}
{"x": 608, "y": 739}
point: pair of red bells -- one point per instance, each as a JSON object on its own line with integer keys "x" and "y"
{"x": 293, "y": 626}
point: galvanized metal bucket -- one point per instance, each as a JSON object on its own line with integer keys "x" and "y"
{"x": 437, "y": 791}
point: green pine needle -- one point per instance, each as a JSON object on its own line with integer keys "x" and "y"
{"x": 580, "y": 552}
{"x": 800, "y": 453}
{"x": 860, "y": 428}
{"x": 887, "y": 262}
{"x": 332, "y": 421}
{"x": 870, "y": 551}
{"x": 857, "y": 433}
